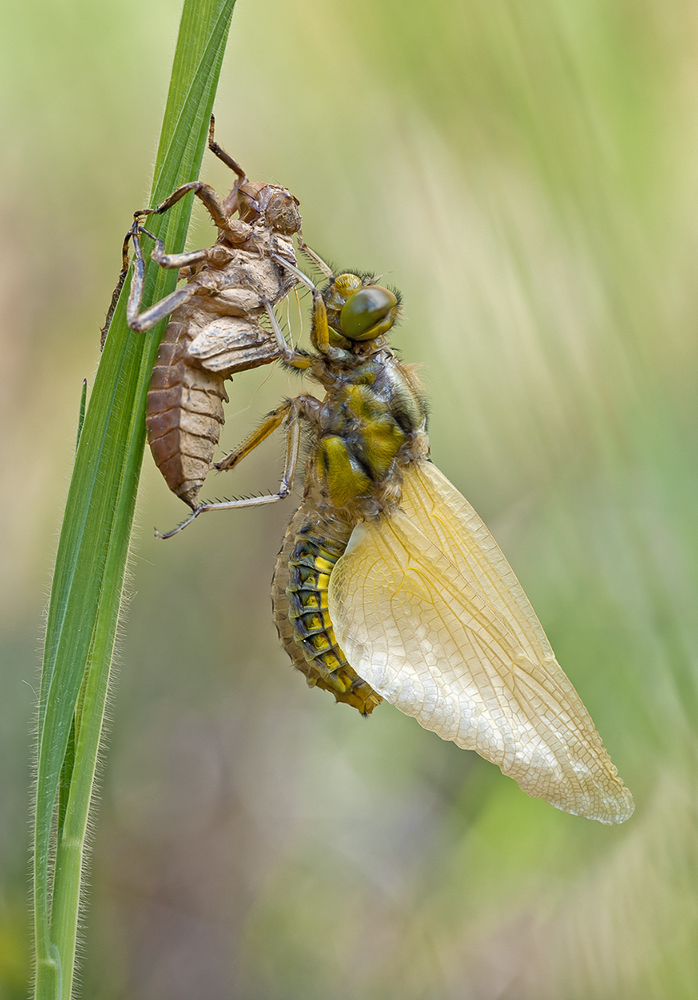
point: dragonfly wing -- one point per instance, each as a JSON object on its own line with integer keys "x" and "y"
{"x": 452, "y": 640}
{"x": 448, "y": 520}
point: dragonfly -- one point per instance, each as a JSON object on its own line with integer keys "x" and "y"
{"x": 216, "y": 328}
{"x": 388, "y": 585}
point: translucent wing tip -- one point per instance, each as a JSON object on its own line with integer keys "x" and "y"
{"x": 606, "y": 804}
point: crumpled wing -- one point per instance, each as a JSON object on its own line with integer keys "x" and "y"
{"x": 430, "y": 614}
{"x": 233, "y": 343}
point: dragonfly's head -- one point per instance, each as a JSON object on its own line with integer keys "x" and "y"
{"x": 358, "y": 310}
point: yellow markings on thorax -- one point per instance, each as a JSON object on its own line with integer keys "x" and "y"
{"x": 351, "y": 461}
{"x": 341, "y": 471}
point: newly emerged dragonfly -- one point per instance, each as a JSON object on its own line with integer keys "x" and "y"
{"x": 388, "y": 584}
{"x": 215, "y": 328}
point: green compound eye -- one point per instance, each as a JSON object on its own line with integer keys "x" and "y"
{"x": 368, "y": 313}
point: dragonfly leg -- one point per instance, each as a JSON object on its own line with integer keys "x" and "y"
{"x": 320, "y": 334}
{"x": 288, "y": 355}
{"x": 290, "y": 410}
{"x": 267, "y": 427}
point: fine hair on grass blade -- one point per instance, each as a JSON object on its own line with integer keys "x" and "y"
{"x": 88, "y": 580}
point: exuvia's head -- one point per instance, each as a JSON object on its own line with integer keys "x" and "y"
{"x": 274, "y": 204}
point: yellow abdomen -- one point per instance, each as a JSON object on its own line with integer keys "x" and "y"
{"x": 300, "y": 590}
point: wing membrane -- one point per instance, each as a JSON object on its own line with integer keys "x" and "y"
{"x": 430, "y": 614}
{"x": 448, "y": 520}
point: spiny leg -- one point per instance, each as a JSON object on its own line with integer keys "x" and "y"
{"x": 316, "y": 258}
{"x": 291, "y": 409}
{"x": 270, "y": 423}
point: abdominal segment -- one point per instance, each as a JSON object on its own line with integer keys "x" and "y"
{"x": 299, "y": 594}
{"x": 184, "y": 414}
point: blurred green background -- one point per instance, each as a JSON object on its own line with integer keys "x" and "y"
{"x": 525, "y": 171}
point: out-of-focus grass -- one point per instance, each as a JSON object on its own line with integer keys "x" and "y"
{"x": 525, "y": 173}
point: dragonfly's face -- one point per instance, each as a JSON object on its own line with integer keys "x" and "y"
{"x": 358, "y": 310}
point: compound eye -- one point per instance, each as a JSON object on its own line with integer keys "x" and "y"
{"x": 368, "y": 313}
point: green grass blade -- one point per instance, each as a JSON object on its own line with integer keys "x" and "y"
{"x": 93, "y": 548}
{"x": 69, "y": 759}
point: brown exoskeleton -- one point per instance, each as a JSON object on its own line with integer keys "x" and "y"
{"x": 215, "y": 327}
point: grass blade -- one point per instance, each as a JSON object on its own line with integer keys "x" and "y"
{"x": 93, "y": 548}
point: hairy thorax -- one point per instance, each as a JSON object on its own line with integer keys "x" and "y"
{"x": 370, "y": 424}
